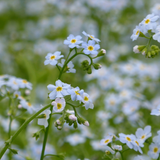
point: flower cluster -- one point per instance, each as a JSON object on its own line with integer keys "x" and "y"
{"x": 135, "y": 142}
{"x": 14, "y": 88}
{"x": 150, "y": 25}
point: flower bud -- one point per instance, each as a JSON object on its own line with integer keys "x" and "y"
{"x": 86, "y": 123}
{"x": 85, "y": 65}
{"x": 19, "y": 106}
{"x": 72, "y": 117}
{"x": 101, "y": 53}
{"x": 89, "y": 70}
{"x": 27, "y": 92}
{"x": 97, "y": 66}
{"x": 75, "y": 125}
{"x": 138, "y": 49}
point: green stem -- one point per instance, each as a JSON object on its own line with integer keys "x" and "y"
{"x": 9, "y": 135}
{"x": 71, "y": 59}
{"x": 58, "y": 67}
{"x": 46, "y": 134}
{"x": 8, "y": 142}
{"x": 76, "y": 114}
{"x": 121, "y": 155}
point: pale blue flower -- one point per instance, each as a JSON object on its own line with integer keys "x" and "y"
{"x": 136, "y": 33}
{"x": 91, "y": 36}
{"x": 156, "y": 36}
{"x": 149, "y": 23}
{"x": 73, "y": 41}
{"x": 58, "y": 90}
{"x": 90, "y": 47}
{"x": 52, "y": 58}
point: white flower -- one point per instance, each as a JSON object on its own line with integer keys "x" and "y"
{"x": 156, "y": 111}
{"x": 141, "y": 157}
{"x": 76, "y": 94}
{"x": 128, "y": 139}
{"x": 90, "y": 47}
{"x": 109, "y": 150}
{"x": 91, "y": 36}
{"x": 60, "y": 90}
{"x": 136, "y": 33}
{"x": 59, "y": 104}
{"x": 73, "y": 41}
{"x": 131, "y": 106}
{"x": 44, "y": 121}
{"x": 86, "y": 123}
{"x": 27, "y": 106}
{"x": 106, "y": 140}
{"x": 142, "y": 135}
{"x": 154, "y": 150}
{"x": 24, "y": 84}
{"x": 117, "y": 147}
{"x": 149, "y": 23}
{"x": 87, "y": 101}
{"x": 156, "y": 36}
{"x": 52, "y": 58}
{"x": 13, "y": 83}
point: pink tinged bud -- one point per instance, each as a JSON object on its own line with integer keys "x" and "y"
{"x": 135, "y": 49}
{"x": 86, "y": 123}
{"x": 27, "y": 92}
{"x": 58, "y": 121}
{"x": 72, "y": 117}
{"x": 103, "y": 51}
{"x": 19, "y": 106}
{"x": 144, "y": 53}
{"x": 59, "y": 127}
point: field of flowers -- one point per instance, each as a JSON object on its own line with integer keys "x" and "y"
{"x": 79, "y": 80}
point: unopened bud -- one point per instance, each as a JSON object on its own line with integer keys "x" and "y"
{"x": 97, "y": 66}
{"x": 72, "y": 117}
{"x": 59, "y": 127}
{"x": 138, "y": 49}
{"x": 19, "y": 106}
{"x": 27, "y": 92}
{"x": 58, "y": 122}
{"x": 89, "y": 70}
{"x": 101, "y": 53}
{"x": 86, "y": 123}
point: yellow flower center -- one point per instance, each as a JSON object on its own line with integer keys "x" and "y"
{"x": 128, "y": 139}
{"x": 77, "y": 93}
{"x": 85, "y": 98}
{"x": 16, "y": 95}
{"x": 24, "y": 81}
{"x": 90, "y": 48}
{"x": 137, "y": 32}
{"x": 137, "y": 143}
{"x": 73, "y": 41}
{"x": 29, "y": 104}
{"x": 112, "y": 102}
{"x": 143, "y": 137}
{"x": 59, "y": 105}
{"x": 106, "y": 141}
{"x": 15, "y": 82}
{"x": 147, "y": 21}
{"x": 59, "y": 89}
{"x": 52, "y": 57}
{"x": 155, "y": 150}
{"x": 91, "y": 36}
